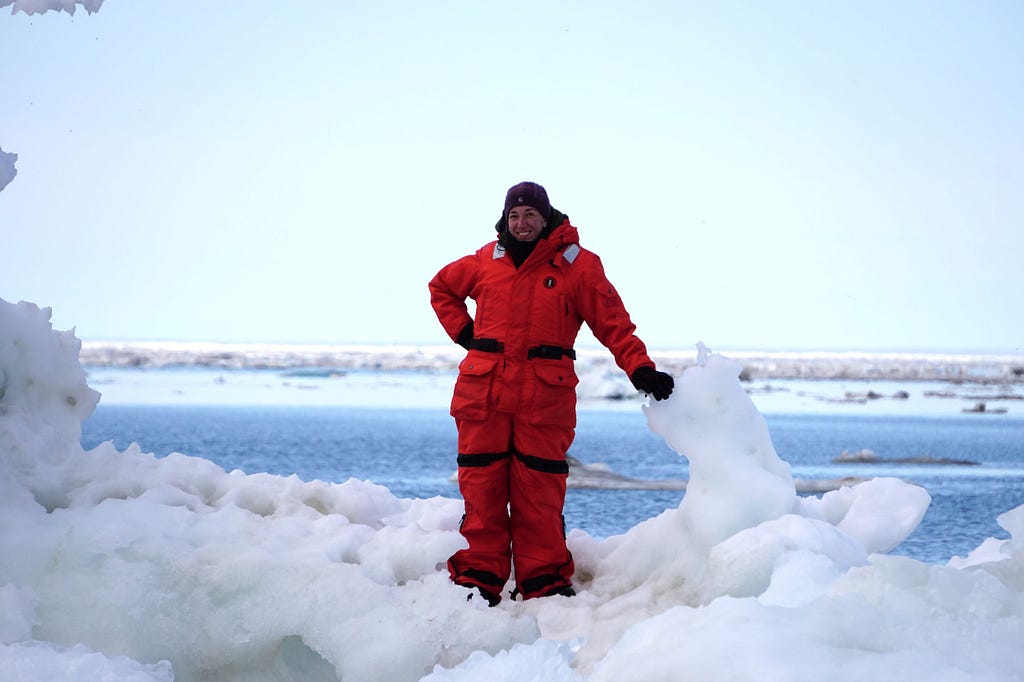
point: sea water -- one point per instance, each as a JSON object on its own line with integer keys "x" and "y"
{"x": 411, "y": 451}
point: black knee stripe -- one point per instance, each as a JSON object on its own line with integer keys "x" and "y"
{"x": 482, "y": 460}
{"x": 548, "y": 466}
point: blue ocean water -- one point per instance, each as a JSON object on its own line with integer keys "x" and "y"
{"x": 412, "y": 452}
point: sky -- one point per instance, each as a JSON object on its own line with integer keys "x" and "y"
{"x": 773, "y": 176}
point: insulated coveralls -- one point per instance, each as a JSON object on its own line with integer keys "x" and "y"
{"x": 515, "y": 400}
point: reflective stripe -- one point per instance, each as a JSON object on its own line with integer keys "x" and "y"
{"x": 571, "y": 252}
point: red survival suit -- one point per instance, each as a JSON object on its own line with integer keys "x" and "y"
{"x": 515, "y": 400}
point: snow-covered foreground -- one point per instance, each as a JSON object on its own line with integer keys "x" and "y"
{"x": 118, "y": 565}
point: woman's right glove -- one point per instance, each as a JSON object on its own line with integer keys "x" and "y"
{"x": 466, "y": 335}
{"x": 650, "y": 380}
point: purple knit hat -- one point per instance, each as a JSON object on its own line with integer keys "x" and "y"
{"x": 528, "y": 194}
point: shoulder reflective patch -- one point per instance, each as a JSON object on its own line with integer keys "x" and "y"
{"x": 571, "y": 252}
{"x": 499, "y": 252}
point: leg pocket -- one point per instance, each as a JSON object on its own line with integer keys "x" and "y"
{"x": 474, "y": 387}
{"x": 554, "y": 394}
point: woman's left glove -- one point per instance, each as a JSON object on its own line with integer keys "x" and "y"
{"x": 650, "y": 380}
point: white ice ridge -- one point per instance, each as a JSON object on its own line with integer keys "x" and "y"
{"x": 42, "y": 6}
{"x": 7, "y": 169}
{"x": 122, "y": 565}
{"x": 596, "y": 363}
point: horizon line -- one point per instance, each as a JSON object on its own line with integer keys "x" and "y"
{"x": 442, "y": 347}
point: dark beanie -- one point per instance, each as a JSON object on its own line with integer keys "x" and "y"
{"x": 528, "y": 194}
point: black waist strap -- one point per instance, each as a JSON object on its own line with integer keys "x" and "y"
{"x": 550, "y": 353}
{"x": 487, "y": 345}
{"x": 545, "y": 352}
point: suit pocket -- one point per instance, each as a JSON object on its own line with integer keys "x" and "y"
{"x": 474, "y": 387}
{"x": 554, "y": 394}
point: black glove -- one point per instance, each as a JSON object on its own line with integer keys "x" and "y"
{"x": 650, "y": 380}
{"x": 466, "y": 335}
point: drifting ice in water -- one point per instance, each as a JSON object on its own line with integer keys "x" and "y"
{"x": 120, "y": 565}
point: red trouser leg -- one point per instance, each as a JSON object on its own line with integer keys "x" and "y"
{"x": 543, "y": 564}
{"x": 484, "y": 469}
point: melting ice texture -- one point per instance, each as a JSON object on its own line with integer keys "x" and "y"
{"x": 123, "y": 566}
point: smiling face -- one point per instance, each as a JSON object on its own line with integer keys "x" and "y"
{"x": 525, "y": 223}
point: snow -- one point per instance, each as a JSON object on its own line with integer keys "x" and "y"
{"x": 118, "y": 565}
{"x": 7, "y": 169}
{"x": 43, "y": 6}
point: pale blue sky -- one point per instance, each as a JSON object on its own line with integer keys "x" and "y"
{"x": 783, "y": 175}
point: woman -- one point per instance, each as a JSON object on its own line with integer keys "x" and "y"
{"x": 515, "y": 398}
